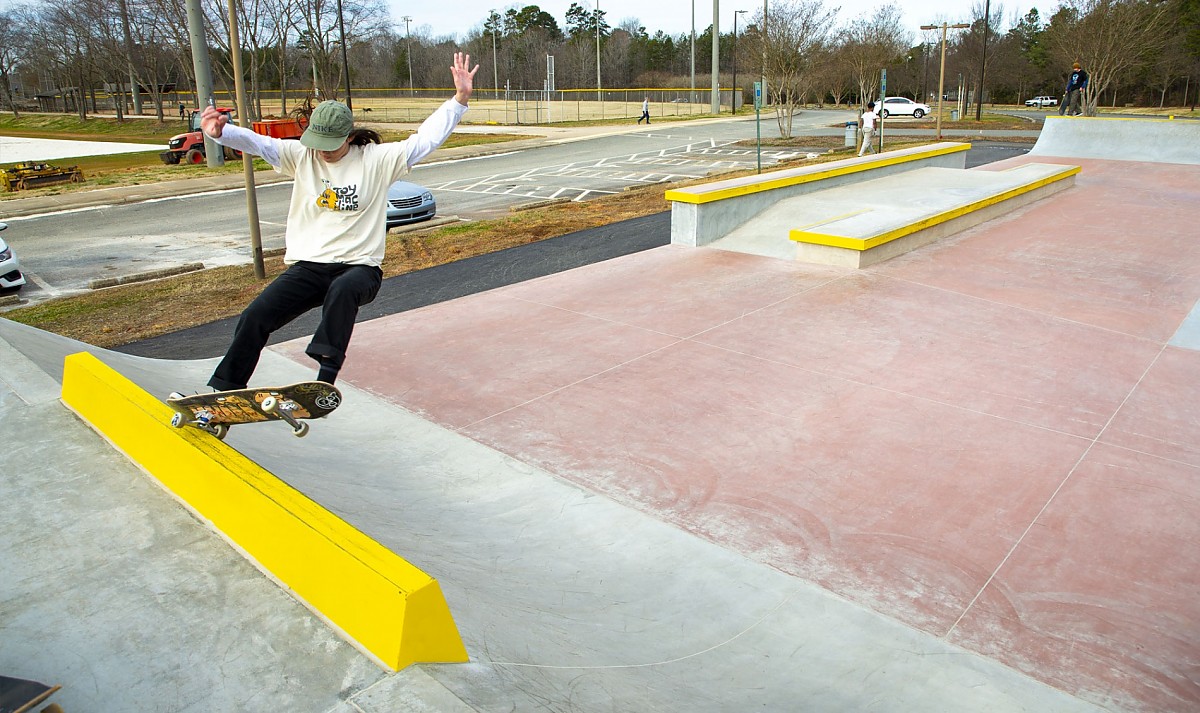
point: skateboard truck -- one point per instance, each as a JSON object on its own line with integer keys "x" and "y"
{"x": 282, "y": 409}
{"x": 202, "y": 420}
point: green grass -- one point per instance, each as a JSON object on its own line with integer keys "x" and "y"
{"x": 63, "y": 126}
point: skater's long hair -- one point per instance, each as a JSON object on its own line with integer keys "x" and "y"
{"x": 362, "y": 137}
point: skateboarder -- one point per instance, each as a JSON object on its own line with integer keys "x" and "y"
{"x": 1076, "y": 83}
{"x": 336, "y": 225}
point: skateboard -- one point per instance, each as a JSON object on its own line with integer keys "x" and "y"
{"x": 20, "y": 696}
{"x": 216, "y": 412}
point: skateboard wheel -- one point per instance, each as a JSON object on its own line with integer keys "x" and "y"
{"x": 269, "y": 404}
{"x": 178, "y": 420}
{"x": 301, "y": 430}
{"x": 220, "y": 430}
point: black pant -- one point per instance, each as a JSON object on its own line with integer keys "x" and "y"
{"x": 646, "y": 116}
{"x": 339, "y": 289}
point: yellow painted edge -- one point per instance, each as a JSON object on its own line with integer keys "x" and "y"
{"x": 693, "y": 195}
{"x": 1166, "y": 119}
{"x": 861, "y": 244}
{"x": 390, "y": 608}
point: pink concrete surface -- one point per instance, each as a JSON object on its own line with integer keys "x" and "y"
{"x": 987, "y": 439}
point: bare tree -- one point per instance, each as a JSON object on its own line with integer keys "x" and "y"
{"x": 871, "y": 44}
{"x": 12, "y": 50}
{"x": 796, "y": 37}
{"x": 1168, "y": 66}
{"x": 1108, "y": 37}
{"x": 63, "y": 32}
{"x": 981, "y": 45}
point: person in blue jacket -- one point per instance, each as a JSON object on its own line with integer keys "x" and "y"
{"x": 1076, "y": 83}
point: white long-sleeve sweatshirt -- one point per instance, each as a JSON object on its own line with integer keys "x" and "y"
{"x": 338, "y": 211}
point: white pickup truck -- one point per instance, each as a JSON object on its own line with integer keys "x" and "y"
{"x": 1042, "y": 101}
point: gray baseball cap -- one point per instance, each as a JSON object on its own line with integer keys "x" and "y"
{"x": 328, "y": 126}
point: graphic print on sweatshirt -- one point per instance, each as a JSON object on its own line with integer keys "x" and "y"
{"x": 338, "y": 198}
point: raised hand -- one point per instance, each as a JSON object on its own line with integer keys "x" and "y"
{"x": 213, "y": 121}
{"x": 464, "y": 77}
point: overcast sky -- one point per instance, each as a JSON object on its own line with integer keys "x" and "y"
{"x": 674, "y": 17}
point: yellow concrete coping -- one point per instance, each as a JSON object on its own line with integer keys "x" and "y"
{"x": 863, "y": 244}
{"x": 391, "y": 610}
{"x": 748, "y": 185}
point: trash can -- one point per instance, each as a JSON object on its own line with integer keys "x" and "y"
{"x": 852, "y": 134}
{"x": 954, "y": 115}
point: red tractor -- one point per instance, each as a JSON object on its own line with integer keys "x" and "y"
{"x": 189, "y": 147}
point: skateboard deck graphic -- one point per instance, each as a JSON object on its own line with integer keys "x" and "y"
{"x": 216, "y": 412}
{"x": 18, "y": 695}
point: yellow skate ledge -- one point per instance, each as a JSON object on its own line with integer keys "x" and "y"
{"x": 392, "y": 611}
{"x": 873, "y": 241}
{"x": 748, "y": 185}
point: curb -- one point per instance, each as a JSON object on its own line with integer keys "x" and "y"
{"x": 144, "y": 276}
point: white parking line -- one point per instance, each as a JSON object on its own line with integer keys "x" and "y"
{"x": 705, "y": 156}
{"x": 41, "y": 283}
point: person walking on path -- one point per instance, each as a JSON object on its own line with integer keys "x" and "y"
{"x": 645, "y": 110}
{"x": 868, "y": 129}
{"x": 1076, "y": 83}
{"x": 336, "y": 224}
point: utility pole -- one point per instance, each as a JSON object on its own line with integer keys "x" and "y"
{"x": 495, "y": 64}
{"x": 734, "y": 99}
{"x": 345, "y": 60}
{"x": 987, "y": 21}
{"x": 131, "y": 57}
{"x": 942, "y": 73}
{"x": 716, "y": 58}
{"x": 599, "y": 93}
{"x": 204, "y": 83}
{"x": 763, "y": 88}
{"x": 408, "y": 52}
{"x": 692, "y": 98}
{"x": 239, "y": 83}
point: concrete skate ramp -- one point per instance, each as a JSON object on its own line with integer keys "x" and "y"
{"x": 562, "y": 595}
{"x": 1146, "y": 140}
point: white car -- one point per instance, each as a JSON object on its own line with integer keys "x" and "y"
{"x": 900, "y": 106}
{"x": 10, "y": 267}
{"x": 1042, "y": 101}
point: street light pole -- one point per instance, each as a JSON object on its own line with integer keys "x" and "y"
{"x": 734, "y": 97}
{"x": 942, "y": 73}
{"x": 408, "y": 52}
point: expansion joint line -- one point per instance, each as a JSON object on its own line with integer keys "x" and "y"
{"x": 1086, "y": 451}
